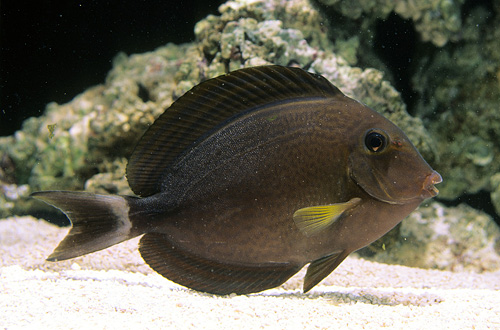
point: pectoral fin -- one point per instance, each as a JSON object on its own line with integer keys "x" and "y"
{"x": 321, "y": 268}
{"x": 314, "y": 219}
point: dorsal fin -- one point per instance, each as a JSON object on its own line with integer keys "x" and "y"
{"x": 208, "y": 106}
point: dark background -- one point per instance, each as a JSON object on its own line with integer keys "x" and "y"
{"x": 54, "y": 50}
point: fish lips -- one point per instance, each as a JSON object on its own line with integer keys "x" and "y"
{"x": 428, "y": 188}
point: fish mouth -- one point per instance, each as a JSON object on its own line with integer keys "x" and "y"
{"x": 428, "y": 189}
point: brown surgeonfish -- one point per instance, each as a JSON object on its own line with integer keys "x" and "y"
{"x": 250, "y": 176}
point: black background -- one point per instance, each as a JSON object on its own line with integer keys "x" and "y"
{"x": 54, "y": 50}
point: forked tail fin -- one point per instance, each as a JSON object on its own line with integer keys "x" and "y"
{"x": 99, "y": 221}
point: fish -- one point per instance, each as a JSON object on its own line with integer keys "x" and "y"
{"x": 251, "y": 176}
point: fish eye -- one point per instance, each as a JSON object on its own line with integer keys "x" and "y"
{"x": 375, "y": 141}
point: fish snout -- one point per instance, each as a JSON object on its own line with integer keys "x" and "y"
{"x": 428, "y": 189}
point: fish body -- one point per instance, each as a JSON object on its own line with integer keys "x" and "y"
{"x": 250, "y": 176}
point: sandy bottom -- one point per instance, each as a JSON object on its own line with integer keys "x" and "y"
{"x": 114, "y": 289}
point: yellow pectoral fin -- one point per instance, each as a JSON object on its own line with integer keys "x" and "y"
{"x": 312, "y": 220}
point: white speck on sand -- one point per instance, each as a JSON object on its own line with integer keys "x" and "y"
{"x": 114, "y": 289}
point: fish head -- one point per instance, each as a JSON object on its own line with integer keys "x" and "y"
{"x": 387, "y": 166}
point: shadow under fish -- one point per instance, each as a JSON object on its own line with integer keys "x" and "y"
{"x": 250, "y": 176}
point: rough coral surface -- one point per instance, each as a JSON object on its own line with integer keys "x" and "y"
{"x": 439, "y": 237}
{"x": 437, "y": 21}
{"x": 460, "y": 98}
{"x": 455, "y": 80}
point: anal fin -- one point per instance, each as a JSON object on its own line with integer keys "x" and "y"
{"x": 207, "y": 275}
{"x": 321, "y": 268}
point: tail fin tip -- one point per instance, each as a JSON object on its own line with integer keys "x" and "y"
{"x": 99, "y": 221}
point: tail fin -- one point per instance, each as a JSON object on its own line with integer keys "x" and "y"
{"x": 99, "y": 221}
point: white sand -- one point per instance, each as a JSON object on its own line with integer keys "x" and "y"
{"x": 114, "y": 289}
